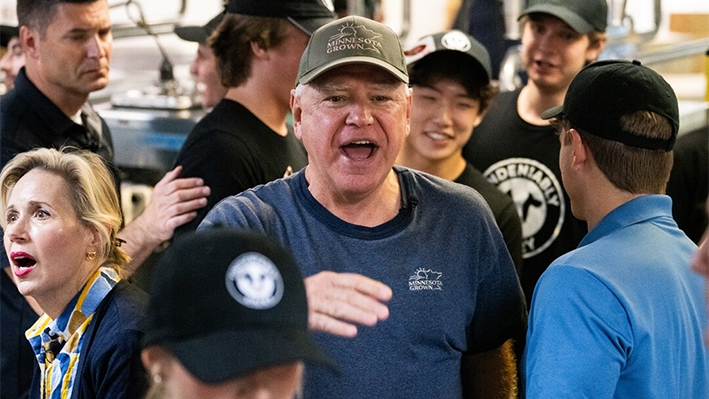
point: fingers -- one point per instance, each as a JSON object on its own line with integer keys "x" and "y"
{"x": 339, "y": 301}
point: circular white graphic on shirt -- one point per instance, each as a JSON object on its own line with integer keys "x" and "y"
{"x": 254, "y": 281}
{"x": 538, "y": 197}
{"x": 456, "y": 40}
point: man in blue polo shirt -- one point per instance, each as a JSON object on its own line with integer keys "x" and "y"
{"x": 622, "y": 315}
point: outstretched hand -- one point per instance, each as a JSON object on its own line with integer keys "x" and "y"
{"x": 337, "y": 302}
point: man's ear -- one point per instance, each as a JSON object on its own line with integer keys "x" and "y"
{"x": 258, "y": 51}
{"x": 581, "y": 154}
{"x": 29, "y": 39}
{"x": 297, "y": 113}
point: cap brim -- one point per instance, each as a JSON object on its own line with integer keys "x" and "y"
{"x": 310, "y": 25}
{"x": 572, "y": 19}
{"x": 553, "y": 112}
{"x": 7, "y": 33}
{"x": 231, "y": 354}
{"x": 191, "y": 33}
{"x": 308, "y": 77}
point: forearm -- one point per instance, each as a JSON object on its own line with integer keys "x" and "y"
{"x": 139, "y": 243}
{"x": 490, "y": 375}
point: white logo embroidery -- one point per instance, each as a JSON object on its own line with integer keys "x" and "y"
{"x": 426, "y": 279}
{"x": 538, "y": 197}
{"x": 456, "y": 40}
{"x": 354, "y": 37}
{"x": 254, "y": 281}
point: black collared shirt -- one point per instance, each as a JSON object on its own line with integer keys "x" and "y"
{"x": 28, "y": 120}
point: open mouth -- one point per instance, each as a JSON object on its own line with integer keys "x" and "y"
{"x": 23, "y": 262}
{"x": 438, "y": 136}
{"x": 359, "y": 149}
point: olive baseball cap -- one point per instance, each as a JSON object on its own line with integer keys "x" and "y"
{"x": 352, "y": 40}
{"x": 451, "y": 41}
{"x": 227, "y": 303}
{"x": 199, "y": 34}
{"x": 605, "y": 91}
{"x": 307, "y": 15}
{"x": 583, "y": 16}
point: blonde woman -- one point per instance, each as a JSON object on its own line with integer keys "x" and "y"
{"x": 61, "y": 216}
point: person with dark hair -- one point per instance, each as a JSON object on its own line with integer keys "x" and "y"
{"x": 245, "y": 140}
{"x": 61, "y": 217}
{"x": 204, "y": 67}
{"x": 450, "y": 75}
{"x": 67, "y": 45}
{"x": 517, "y": 150}
{"x": 410, "y": 285}
{"x": 242, "y": 333}
{"x": 14, "y": 58}
{"x": 621, "y": 316}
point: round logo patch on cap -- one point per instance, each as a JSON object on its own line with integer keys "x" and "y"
{"x": 254, "y": 281}
{"x": 456, "y": 40}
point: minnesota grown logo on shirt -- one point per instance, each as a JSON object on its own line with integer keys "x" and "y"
{"x": 426, "y": 280}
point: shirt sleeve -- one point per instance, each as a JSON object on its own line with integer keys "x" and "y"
{"x": 578, "y": 337}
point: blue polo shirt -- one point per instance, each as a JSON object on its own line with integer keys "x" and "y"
{"x": 621, "y": 316}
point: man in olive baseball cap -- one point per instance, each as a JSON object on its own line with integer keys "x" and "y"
{"x": 356, "y": 222}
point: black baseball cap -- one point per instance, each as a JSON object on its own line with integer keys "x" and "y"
{"x": 199, "y": 34}
{"x": 352, "y": 40}
{"x": 307, "y": 15}
{"x": 7, "y": 33}
{"x": 227, "y": 303}
{"x": 453, "y": 41}
{"x": 604, "y": 91}
{"x": 583, "y": 16}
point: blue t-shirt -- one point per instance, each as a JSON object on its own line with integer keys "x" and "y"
{"x": 622, "y": 315}
{"x": 454, "y": 286}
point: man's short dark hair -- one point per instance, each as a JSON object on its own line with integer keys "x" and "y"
{"x": 457, "y": 67}
{"x": 38, "y": 14}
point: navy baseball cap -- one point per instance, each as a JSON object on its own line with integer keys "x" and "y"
{"x": 307, "y": 15}
{"x": 583, "y": 16}
{"x": 453, "y": 41}
{"x": 7, "y": 33}
{"x": 605, "y": 91}
{"x": 199, "y": 34}
{"x": 227, "y": 303}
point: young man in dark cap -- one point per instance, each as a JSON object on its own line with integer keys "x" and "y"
{"x": 407, "y": 308}
{"x": 245, "y": 140}
{"x": 450, "y": 74}
{"x": 622, "y": 315}
{"x": 204, "y": 66}
{"x": 240, "y": 333}
{"x": 517, "y": 150}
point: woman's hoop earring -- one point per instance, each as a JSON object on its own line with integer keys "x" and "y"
{"x": 91, "y": 255}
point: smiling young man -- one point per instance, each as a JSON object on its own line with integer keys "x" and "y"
{"x": 404, "y": 307}
{"x": 450, "y": 76}
{"x": 204, "y": 66}
{"x": 517, "y": 150}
